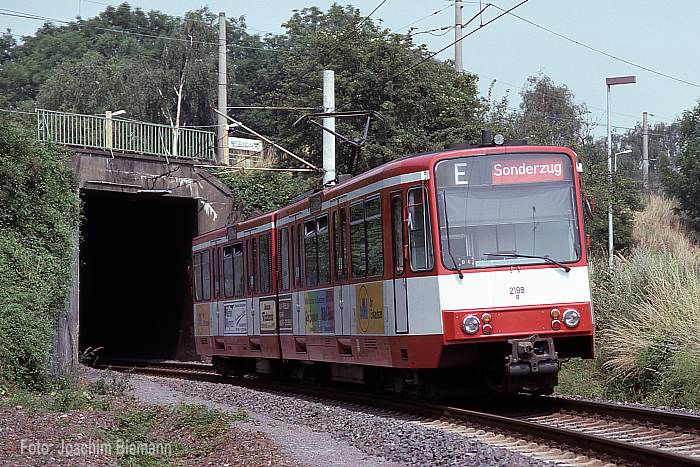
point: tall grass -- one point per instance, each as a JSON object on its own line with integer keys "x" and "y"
{"x": 648, "y": 313}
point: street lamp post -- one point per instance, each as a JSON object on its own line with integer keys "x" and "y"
{"x": 626, "y": 151}
{"x": 609, "y": 82}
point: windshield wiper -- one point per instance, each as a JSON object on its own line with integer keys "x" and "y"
{"x": 545, "y": 258}
{"x": 447, "y": 231}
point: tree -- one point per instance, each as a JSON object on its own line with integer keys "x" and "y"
{"x": 94, "y": 84}
{"x": 424, "y": 108}
{"x": 681, "y": 177}
{"x": 549, "y": 115}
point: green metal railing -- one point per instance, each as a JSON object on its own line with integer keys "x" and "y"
{"x": 115, "y": 134}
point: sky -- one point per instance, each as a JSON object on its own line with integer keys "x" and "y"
{"x": 662, "y": 36}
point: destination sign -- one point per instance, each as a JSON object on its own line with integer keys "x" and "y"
{"x": 502, "y": 169}
{"x": 544, "y": 169}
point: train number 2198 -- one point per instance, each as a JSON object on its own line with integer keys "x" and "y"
{"x": 517, "y": 291}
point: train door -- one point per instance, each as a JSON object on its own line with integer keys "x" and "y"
{"x": 217, "y": 298}
{"x": 399, "y": 264}
{"x": 341, "y": 290}
{"x": 298, "y": 296}
{"x": 285, "y": 302}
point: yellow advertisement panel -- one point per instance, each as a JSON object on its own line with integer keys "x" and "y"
{"x": 202, "y": 319}
{"x": 369, "y": 308}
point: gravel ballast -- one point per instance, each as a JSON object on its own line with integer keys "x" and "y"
{"x": 321, "y": 433}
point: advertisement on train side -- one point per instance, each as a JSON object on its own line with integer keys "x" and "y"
{"x": 202, "y": 319}
{"x": 320, "y": 317}
{"x": 235, "y": 318}
{"x": 369, "y": 308}
{"x": 285, "y": 314}
{"x": 268, "y": 316}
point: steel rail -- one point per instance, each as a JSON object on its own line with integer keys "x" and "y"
{"x": 642, "y": 414}
{"x": 572, "y": 439}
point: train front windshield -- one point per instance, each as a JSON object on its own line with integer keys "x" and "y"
{"x": 501, "y": 210}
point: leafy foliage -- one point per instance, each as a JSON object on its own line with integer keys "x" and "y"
{"x": 258, "y": 192}
{"x": 92, "y": 69}
{"x": 37, "y": 224}
{"x": 549, "y": 115}
{"x": 648, "y": 317}
{"x": 681, "y": 177}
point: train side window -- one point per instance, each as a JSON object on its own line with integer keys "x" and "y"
{"x": 293, "y": 254}
{"x": 253, "y": 262}
{"x": 197, "y": 275}
{"x": 343, "y": 249}
{"x": 397, "y": 232}
{"x": 265, "y": 269}
{"x": 297, "y": 271}
{"x": 238, "y": 272}
{"x": 324, "y": 271}
{"x": 334, "y": 243}
{"x": 206, "y": 276}
{"x": 217, "y": 273}
{"x": 284, "y": 257}
{"x": 311, "y": 253}
{"x": 375, "y": 244}
{"x": 420, "y": 238}
{"x": 228, "y": 271}
{"x": 357, "y": 240}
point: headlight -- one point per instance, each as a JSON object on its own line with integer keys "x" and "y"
{"x": 471, "y": 324}
{"x": 571, "y": 318}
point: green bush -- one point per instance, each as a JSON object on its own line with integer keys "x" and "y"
{"x": 257, "y": 192}
{"x": 37, "y": 221}
{"x": 648, "y": 315}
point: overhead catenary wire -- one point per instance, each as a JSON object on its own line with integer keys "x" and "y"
{"x": 79, "y": 24}
{"x": 434, "y": 13}
{"x": 460, "y": 38}
{"x": 594, "y": 49}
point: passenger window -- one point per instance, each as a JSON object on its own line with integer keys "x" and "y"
{"x": 253, "y": 262}
{"x": 334, "y": 242}
{"x": 238, "y": 273}
{"x": 357, "y": 240}
{"x": 206, "y": 276}
{"x": 324, "y": 266}
{"x": 298, "y": 255}
{"x": 311, "y": 253}
{"x": 197, "y": 275}
{"x": 217, "y": 273}
{"x": 375, "y": 246}
{"x": 284, "y": 258}
{"x": 265, "y": 269}
{"x": 228, "y": 271}
{"x": 397, "y": 232}
{"x": 419, "y": 230}
{"x": 343, "y": 249}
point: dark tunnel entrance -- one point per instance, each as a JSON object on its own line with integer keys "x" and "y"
{"x": 134, "y": 255}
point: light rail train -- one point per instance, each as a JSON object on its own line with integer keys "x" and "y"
{"x": 453, "y": 270}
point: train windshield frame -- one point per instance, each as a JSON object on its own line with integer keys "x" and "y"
{"x": 493, "y": 207}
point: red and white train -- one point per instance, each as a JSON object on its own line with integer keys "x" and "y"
{"x": 449, "y": 269}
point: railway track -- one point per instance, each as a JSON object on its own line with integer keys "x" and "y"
{"x": 562, "y": 431}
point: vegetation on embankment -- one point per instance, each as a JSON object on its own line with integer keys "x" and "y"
{"x": 38, "y": 215}
{"x": 648, "y": 318}
{"x": 257, "y": 192}
{"x": 98, "y": 422}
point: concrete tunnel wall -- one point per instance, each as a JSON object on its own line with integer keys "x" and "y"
{"x": 126, "y": 197}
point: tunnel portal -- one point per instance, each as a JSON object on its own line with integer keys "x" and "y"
{"x": 134, "y": 257}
